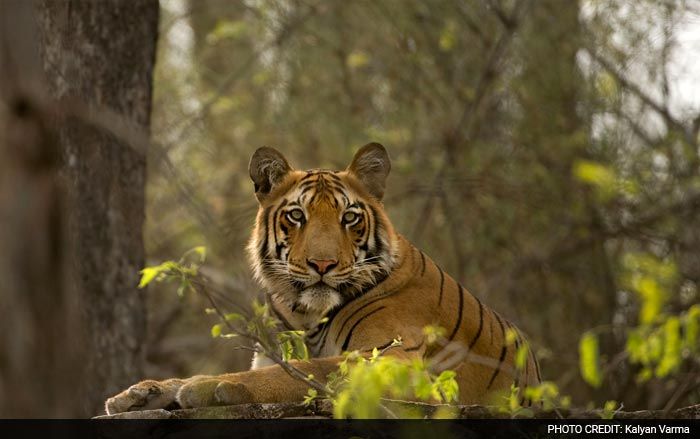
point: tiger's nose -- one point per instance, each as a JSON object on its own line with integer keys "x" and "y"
{"x": 322, "y": 265}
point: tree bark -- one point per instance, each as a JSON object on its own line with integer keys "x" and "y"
{"x": 37, "y": 312}
{"x": 101, "y": 55}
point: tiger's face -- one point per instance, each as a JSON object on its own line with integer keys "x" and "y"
{"x": 321, "y": 237}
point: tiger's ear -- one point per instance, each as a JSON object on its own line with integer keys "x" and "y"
{"x": 371, "y": 165}
{"x": 267, "y": 168}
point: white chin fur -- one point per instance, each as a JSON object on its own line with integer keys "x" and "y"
{"x": 320, "y": 298}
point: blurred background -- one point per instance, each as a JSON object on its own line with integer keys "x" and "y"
{"x": 544, "y": 153}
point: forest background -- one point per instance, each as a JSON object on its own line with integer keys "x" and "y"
{"x": 545, "y": 153}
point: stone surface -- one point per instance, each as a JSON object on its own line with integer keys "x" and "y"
{"x": 323, "y": 409}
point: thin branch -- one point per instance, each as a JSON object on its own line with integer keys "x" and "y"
{"x": 289, "y": 368}
{"x": 662, "y": 110}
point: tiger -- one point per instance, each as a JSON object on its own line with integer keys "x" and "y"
{"x": 332, "y": 265}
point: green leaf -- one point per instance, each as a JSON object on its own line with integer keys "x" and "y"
{"x": 357, "y": 59}
{"x": 311, "y": 395}
{"x": 609, "y": 410}
{"x": 606, "y": 85}
{"x": 433, "y": 333}
{"x": 671, "y": 359}
{"x": 595, "y": 174}
{"x": 234, "y": 317}
{"x": 692, "y": 329}
{"x": 589, "y": 357}
{"x": 446, "y": 384}
{"x": 227, "y": 29}
{"x": 216, "y": 330}
{"x": 300, "y": 350}
{"x": 448, "y": 36}
{"x": 148, "y": 274}
{"x": 521, "y": 356}
{"x": 201, "y": 251}
{"x": 511, "y": 336}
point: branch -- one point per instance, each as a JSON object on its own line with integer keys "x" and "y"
{"x": 662, "y": 110}
{"x": 289, "y": 368}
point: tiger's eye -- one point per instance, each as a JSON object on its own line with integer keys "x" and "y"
{"x": 296, "y": 215}
{"x": 349, "y": 217}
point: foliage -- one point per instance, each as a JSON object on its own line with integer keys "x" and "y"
{"x": 361, "y": 383}
{"x": 546, "y": 395}
{"x": 661, "y": 341}
{"x": 609, "y": 409}
{"x": 589, "y": 353}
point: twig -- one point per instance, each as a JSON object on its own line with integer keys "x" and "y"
{"x": 290, "y": 369}
{"x": 646, "y": 99}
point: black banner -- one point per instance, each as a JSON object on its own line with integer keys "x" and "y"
{"x": 321, "y": 428}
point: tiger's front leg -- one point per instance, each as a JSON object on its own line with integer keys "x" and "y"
{"x": 267, "y": 384}
{"x": 146, "y": 395}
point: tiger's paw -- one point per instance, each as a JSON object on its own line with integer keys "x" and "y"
{"x": 146, "y": 395}
{"x": 211, "y": 392}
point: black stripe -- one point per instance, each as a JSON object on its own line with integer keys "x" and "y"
{"x": 278, "y": 246}
{"x": 313, "y": 198}
{"x": 481, "y": 323}
{"x": 340, "y": 331}
{"x": 517, "y": 348}
{"x": 322, "y": 341}
{"x": 333, "y": 176}
{"x": 306, "y": 185}
{"x": 326, "y": 327}
{"x": 308, "y": 175}
{"x": 416, "y": 347}
{"x": 370, "y": 230}
{"x": 527, "y": 368}
{"x": 422, "y": 262}
{"x": 279, "y": 316}
{"x": 537, "y": 367}
{"x": 377, "y": 242}
{"x": 314, "y": 331}
{"x": 504, "y": 349}
{"x": 461, "y": 310}
{"x": 263, "y": 247}
{"x": 442, "y": 283}
{"x": 347, "y": 338}
{"x": 338, "y": 187}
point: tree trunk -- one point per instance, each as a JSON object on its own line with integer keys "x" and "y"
{"x": 102, "y": 55}
{"x": 38, "y": 314}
